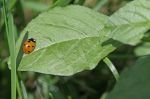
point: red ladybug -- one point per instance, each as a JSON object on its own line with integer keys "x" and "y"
{"x": 29, "y": 45}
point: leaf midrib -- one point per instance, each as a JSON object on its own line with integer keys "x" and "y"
{"x": 51, "y": 45}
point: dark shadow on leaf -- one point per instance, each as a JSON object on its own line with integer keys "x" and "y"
{"x": 112, "y": 42}
{"x": 20, "y": 54}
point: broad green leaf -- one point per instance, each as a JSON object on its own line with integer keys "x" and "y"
{"x": 69, "y": 40}
{"x": 143, "y": 49}
{"x": 129, "y": 24}
{"x": 134, "y": 82}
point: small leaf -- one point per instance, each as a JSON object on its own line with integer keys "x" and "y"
{"x": 134, "y": 83}
{"x": 69, "y": 40}
{"x": 129, "y": 24}
{"x": 143, "y": 49}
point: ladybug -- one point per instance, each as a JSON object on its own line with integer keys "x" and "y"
{"x": 29, "y": 45}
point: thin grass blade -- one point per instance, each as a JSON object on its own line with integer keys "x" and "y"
{"x": 112, "y": 68}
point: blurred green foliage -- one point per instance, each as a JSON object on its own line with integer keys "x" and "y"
{"x": 134, "y": 82}
{"x": 85, "y": 85}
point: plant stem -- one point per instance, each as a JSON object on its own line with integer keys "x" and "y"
{"x": 99, "y": 4}
{"x": 12, "y": 56}
{"x": 11, "y": 43}
{"x": 51, "y": 96}
{"x": 19, "y": 89}
{"x": 112, "y": 68}
{"x": 24, "y": 92}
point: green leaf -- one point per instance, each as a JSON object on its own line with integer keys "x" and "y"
{"x": 129, "y": 24}
{"x": 69, "y": 40}
{"x": 143, "y": 49}
{"x": 134, "y": 83}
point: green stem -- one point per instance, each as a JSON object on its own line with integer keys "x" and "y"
{"x": 19, "y": 89}
{"x": 5, "y": 19}
{"x": 51, "y": 96}
{"x": 104, "y": 95}
{"x": 24, "y": 92}
{"x": 112, "y": 68}
{"x": 13, "y": 58}
{"x": 11, "y": 5}
{"x": 11, "y": 42}
{"x": 13, "y": 85}
{"x": 99, "y": 4}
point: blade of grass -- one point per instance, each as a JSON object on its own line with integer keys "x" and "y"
{"x": 24, "y": 92}
{"x": 11, "y": 43}
{"x": 99, "y": 4}
{"x": 5, "y": 20}
{"x": 19, "y": 89}
{"x": 51, "y": 96}
{"x": 112, "y": 68}
{"x": 1, "y": 14}
{"x": 11, "y": 5}
{"x": 12, "y": 56}
{"x": 104, "y": 95}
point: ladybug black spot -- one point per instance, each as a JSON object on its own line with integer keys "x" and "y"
{"x": 28, "y": 46}
{"x": 32, "y": 39}
{"x": 29, "y": 51}
{"x": 32, "y": 46}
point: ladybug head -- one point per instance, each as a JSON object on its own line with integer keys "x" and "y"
{"x": 32, "y": 39}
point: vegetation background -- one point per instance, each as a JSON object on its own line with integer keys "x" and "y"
{"x": 93, "y": 84}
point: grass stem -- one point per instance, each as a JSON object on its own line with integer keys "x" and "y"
{"x": 11, "y": 43}
{"x": 112, "y": 68}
